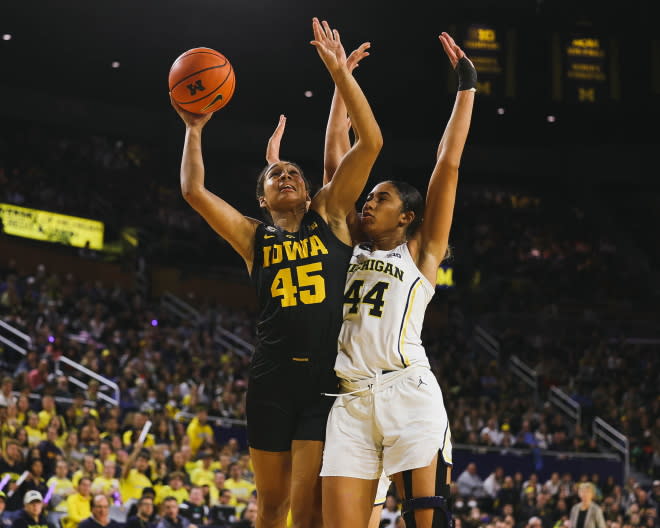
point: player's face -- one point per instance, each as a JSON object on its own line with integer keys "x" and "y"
{"x": 284, "y": 186}
{"x": 381, "y": 212}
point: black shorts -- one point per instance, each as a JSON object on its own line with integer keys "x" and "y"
{"x": 283, "y": 405}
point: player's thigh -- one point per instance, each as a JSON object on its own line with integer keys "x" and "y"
{"x": 348, "y": 501}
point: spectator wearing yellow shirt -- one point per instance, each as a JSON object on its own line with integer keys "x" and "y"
{"x": 88, "y": 469}
{"x": 203, "y": 474}
{"x": 131, "y": 435}
{"x": 78, "y": 505}
{"x": 35, "y": 435}
{"x": 199, "y": 432}
{"x": 63, "y": 486}
{"x": 241, "y": 489}
{"x": 106, "y": 483}
{"x": 174, "y": 488}
{"x": 48, "y": 411}
{"x": 135, "y": 479}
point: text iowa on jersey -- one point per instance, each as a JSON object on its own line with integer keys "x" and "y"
{"x": 293, "y": 250}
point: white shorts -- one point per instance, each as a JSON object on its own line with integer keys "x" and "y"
{"x": 391, "y": 423}
{"x": 383, "y": 487}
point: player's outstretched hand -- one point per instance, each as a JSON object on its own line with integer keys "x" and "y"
{"x": 467, "y": 73}
{"x": 328, "y": 45}
{"x": 273, "y": 147}
{"x": 357, "y": 55}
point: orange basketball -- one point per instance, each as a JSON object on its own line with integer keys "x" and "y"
{"x": 202, "y": 80}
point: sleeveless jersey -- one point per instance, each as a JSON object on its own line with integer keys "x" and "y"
{"x": 384, "y": 304}
{"x": 299, "y": 278}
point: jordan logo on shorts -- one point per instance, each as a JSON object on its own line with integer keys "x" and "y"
{"x": 421, "y": 382}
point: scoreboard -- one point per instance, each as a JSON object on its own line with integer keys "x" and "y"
{"x": 585, "y": 67}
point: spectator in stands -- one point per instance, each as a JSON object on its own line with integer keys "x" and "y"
{"x": 507, "y": 495}
{"x": 527, "y": 507}
{"x": 78, "y": 505}
{"x": 223, "y": 513}
{"x": 534, "y": 522}
{"x": 586, "y": 513}
{"x": 248, "y": 517}
{"x": 106, "y": 483}
{"x": 131, "y": 435}
{"x": 204, "y": 473}
{"x": 146, "y": 492}
{"x": 11, "y": 461}
{"x": 199, "y": 431}
{"x": 100, "y": 517}
{"x": 32, "y": 515}
{"x": 62, "y": 486}
{"x": 71, "y": 450}
{"x": 145, "y": 516}
{"x": 171, "y": 517}
{"x": 49, "y": 451}
{"x": 6, "y": 518}
{"x": 135, "y": 474}
{"x": 194, "y": 508}
{"x": 175, "y": 489}
{"x": 552, "y": 484}
{"x": 35, "y": 435}
{"x": 242, "y": 489}
{"x": 39, "y": 376}
{"x": 490, "y": 434}
{"x": 493, "y": 482}
{"x": 470, "y": 483}
{"x": 7, "y": 397}
{"x": 88, "y": 470}
{"x": 33, "y": 481}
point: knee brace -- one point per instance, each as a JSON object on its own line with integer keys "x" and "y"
{"x": 442, "y": 517}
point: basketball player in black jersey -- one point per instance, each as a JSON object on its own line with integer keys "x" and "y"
{"x": 298, "y": 265}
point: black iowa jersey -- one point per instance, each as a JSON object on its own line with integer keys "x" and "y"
{"x": 300, "y": 279}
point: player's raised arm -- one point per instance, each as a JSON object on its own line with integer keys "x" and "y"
{"x": 338, "y": 197}
{"x": 429, "y": 245}
{"x": 337, "y": 137}
{"x": 231, "y": 225}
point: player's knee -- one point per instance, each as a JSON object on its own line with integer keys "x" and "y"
{"x": 274, "y": 505}
{"x": 438, "y": 503}
{"x": 441, "y": 516}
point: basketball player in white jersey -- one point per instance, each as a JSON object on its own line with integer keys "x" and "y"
{"x": 390, "y": 416}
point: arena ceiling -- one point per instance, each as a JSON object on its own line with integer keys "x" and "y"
{"x": 66, "y": 48}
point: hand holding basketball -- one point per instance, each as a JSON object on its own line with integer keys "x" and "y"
{"x": 191, "y": 120}
{"x": 201, "y": 80}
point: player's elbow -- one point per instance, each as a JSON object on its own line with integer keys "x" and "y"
{"x": 191, "y": 193}
{"x": 448, "y": 166}
{"x": 372, "y": 143}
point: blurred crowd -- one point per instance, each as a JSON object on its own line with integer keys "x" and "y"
{"x": 556, "y": 286}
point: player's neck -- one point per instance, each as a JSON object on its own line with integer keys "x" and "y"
{"x": 387, "y": 241}
{"x": 288, "y": 220}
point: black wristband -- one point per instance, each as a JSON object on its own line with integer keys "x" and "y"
{"x": 467, "y": 75}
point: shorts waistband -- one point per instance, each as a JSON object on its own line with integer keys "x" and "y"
{"x": 378, "y": 382}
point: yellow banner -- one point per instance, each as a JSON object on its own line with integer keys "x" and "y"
{"x": 51, "y": 227}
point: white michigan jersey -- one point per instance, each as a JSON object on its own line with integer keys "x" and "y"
{"x": 384, "y": 305}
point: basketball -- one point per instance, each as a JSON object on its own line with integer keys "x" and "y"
{"x": 202, "y": 80}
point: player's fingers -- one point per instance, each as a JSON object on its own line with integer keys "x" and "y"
{"x": 326, "y": 29}
{"x": 316, "y": 27}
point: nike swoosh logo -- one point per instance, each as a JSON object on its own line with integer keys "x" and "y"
{"x": 269, "y": 236}
{"x": 215, "y": 100}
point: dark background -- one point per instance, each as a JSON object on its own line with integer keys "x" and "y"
{"x": 56, "y": 70}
